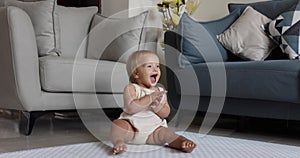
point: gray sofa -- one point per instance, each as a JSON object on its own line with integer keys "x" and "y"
{"x": 48, "y": 62}
{"x": 265, "y": 89}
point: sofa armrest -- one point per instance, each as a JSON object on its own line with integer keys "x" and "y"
{"x": 172, "y": 39}
{"x": 172, "y": 52}
{"x": 172, "y": 48}
{"x": 19, "y": 82}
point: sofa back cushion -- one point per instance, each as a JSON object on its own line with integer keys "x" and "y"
{"x": 45, "y": 22}
{"x": 269, "y": 8}
{"x": 218, "y": 26}
{"x": 198, "y": 39}
{"x": 2, "y": 3}
{"x": 59, "y": 30}
{"x": 74, "y": 27}
{"x": 119, "y": 37}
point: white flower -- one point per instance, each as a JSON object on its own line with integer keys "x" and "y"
{"x": 172, "y": 11}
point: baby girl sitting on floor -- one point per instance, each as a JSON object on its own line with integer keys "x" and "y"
{"x": 145, "y": 108}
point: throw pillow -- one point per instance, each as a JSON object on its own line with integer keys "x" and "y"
{"x": 2, "y": 3}
{"x": 285, "y": 31}
{"x": 44, "y": 20}
{"x": 198, "y": 39}
{"x": 269, "y": 8}
{"x": 119, "y": 37}
{"x": 245, "y": 38}
{"x": 74, "y": 28}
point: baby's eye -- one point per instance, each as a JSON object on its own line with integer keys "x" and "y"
{"x": 149, "y": 66}
{"x": 157, "y": 66}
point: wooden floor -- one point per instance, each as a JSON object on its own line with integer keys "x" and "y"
{"x": 53, "y": 131}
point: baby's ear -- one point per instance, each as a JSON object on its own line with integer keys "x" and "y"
{"x": 136, "y": 74}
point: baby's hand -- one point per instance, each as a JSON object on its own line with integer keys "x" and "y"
{"x": 156, "y": 98}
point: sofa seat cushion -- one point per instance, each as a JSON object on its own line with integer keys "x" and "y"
{"x": 60, "y": 74}
{"x": 273, "y": 80}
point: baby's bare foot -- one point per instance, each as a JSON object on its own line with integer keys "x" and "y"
{"x": 188, "y": 146}
{"x": 183, "y": 144}
{"x": 119, "y": 147}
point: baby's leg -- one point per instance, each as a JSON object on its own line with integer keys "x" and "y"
{"x": 121, "y": 132}
{"x": 165, "y": 135}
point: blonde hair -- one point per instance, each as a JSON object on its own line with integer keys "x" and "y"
{"x": 133, "y": 62}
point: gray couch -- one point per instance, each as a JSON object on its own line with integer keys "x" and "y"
{"x": 47, "y": 61}
{"x": 265, "y": 89}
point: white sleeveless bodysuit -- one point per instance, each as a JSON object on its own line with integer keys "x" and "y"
{"x": 145, "y": 121}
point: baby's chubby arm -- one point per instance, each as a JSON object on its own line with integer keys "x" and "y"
{"x": 133, "y": 105}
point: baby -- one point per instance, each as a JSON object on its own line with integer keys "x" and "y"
{"x": 145, "y": 108}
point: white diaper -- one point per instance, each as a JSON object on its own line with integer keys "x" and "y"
{"x": 145, "y": 122}
{"x": 142, "y": 134}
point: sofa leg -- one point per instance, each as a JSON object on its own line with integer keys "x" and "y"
{"x": 27, "y": 120}
{"x": 242, "y": 125}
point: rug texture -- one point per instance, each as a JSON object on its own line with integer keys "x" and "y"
{"x": 208, "y": 147}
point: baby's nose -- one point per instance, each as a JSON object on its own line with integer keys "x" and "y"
{"x": 156, "y": 69}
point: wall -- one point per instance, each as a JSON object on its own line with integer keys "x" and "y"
{"x": 127, "y": 8}
{"x": 208, "y": 9}
{"x": 110, "y": 7}
{"x": 215, "y": 9}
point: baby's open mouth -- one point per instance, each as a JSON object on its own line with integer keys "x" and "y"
{"x": 153, "y": 78}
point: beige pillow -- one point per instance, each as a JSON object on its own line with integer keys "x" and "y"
{"x": 245, "y": 37}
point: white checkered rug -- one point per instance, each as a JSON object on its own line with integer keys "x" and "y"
{"x": 208, "y": 147}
